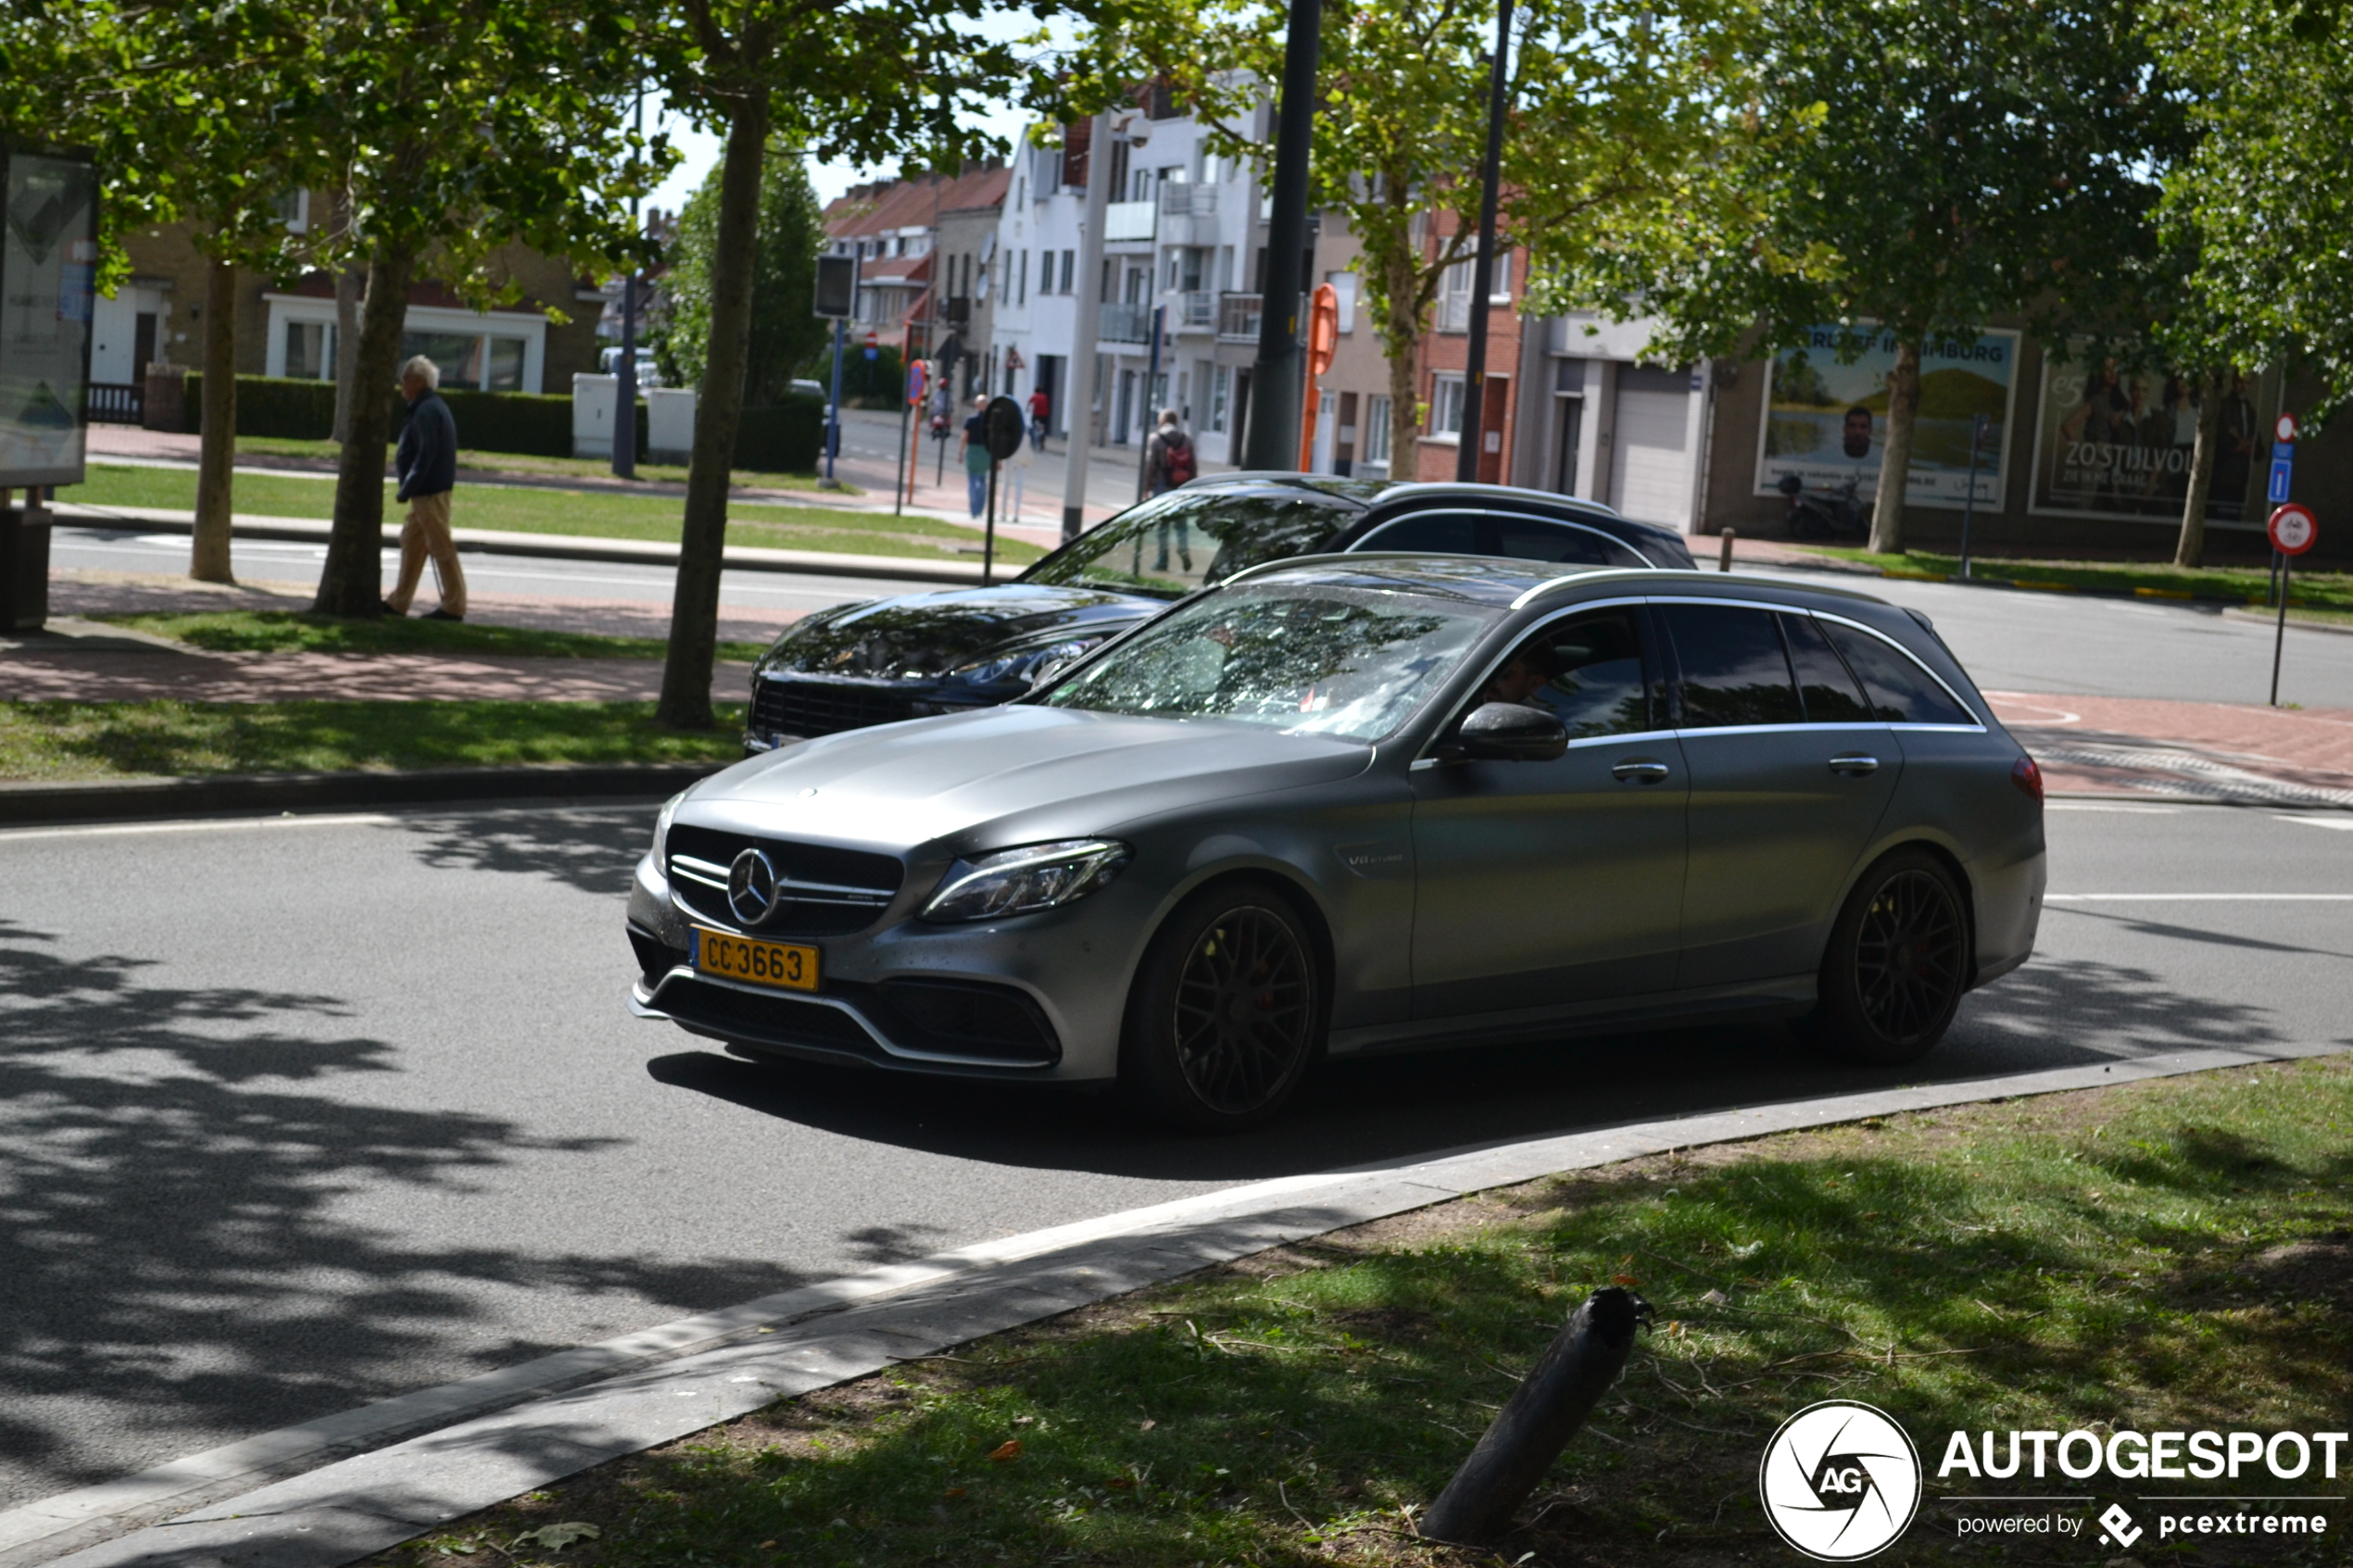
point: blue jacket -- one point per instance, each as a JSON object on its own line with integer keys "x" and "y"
{"x": 427, "y": 458}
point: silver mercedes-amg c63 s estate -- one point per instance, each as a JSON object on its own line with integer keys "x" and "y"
{"x": 1360, "y": 803}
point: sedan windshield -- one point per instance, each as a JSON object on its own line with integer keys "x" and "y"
{"x": 1312, "y": 659}
{"x": 1186, "y": 539}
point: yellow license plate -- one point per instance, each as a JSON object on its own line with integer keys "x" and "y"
{"x": 785, "y": 965}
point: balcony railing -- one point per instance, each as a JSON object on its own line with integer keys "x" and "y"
{"x": 1124, "y": 322}
{"x": 957, "y": 310}
{"x": 1196, "y": 311}
{"x": 1129, "y": 220}
{"x": 1238, "y": 317}
{"x": 118, "y": 403}
{"x": 1187, "y": 200}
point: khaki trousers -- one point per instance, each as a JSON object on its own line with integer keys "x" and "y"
{"x": 427, "y": 534}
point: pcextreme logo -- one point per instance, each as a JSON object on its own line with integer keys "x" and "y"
{"x": 1840, "y": 1481}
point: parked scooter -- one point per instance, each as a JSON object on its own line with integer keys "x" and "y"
{"x": 1835, "y": 514}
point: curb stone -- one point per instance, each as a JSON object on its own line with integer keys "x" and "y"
{"x": 126, "y": 799}
{"x": 827, "y": 1334}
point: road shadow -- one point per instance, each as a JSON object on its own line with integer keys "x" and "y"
{"x": 592, "y": 847}
{"x": 178, "y": 1268}
{"x": 2052, "y": 1014}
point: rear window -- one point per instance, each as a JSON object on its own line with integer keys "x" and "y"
{"x": 1902, "y": 692}
{"x": 1188, "y": 539}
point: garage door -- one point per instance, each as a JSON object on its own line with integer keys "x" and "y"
{"x": 1651, "y": 471}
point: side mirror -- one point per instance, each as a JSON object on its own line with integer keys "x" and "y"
{"x": 1505, "y": 732}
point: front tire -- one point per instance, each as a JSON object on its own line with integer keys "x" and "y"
{"x": 1227, "y": 1013}
{"x": 1897, "y": 963}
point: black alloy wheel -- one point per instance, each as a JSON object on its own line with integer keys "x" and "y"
{"x": 1227, "y": 1014}
{"x": 1898, "y": 961}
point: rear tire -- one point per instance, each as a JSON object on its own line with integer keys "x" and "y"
{"x": 1227, "y": 1013}
{"x": 1897, "y": 963}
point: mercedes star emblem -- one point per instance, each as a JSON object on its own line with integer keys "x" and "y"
{"x": 751, "y": 888}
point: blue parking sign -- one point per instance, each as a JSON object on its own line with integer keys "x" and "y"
{"x": 2283, "y": 470}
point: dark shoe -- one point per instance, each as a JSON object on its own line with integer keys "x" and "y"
{"x": 439, "y": 615}
{"x": 395, "y": 614}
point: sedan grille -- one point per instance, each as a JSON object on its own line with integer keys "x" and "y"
{"x": 825, "y": 708}
{"x": 820, "y": 891}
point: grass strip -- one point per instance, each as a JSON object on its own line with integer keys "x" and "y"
{"x": 2142, "y": 579}
{"x": 279, "y": 631}
{"x": 60, "y": 741}
{"x": 473, "y": 461}
{"x": 585, "y": 513}
{"x": 2169, "y": 1255}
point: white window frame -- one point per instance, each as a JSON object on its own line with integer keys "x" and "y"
{"x": 1373, "y": 447}
{"x": 1454, "y": 298}
{"x": 528, "y": 325}
{"x": 1446, "y": 396}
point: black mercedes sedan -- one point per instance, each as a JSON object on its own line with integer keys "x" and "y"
{"x": 916, "y": 655}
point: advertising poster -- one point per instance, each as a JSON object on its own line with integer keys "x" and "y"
{"x": 48, "y": 265}
{"x": 1826, "y": 415}
{"x": 2116, "y": 443}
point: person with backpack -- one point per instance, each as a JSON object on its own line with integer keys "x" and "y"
{"x": 1169, "y": 461}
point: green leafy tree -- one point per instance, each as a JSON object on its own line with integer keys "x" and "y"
{"x": 861, "y": 79}
{"x": 786, "y": 331}
{"x": 2255, "y": 210}
{"x": 457, "y": 127}
{"x": 1601, "y": 106}
{"x": 1912, "y": 163}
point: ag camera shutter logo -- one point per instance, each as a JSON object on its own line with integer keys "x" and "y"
{"x": 1840, "y": 1481}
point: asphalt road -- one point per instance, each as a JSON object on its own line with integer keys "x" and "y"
{"x": 302, "y": 1112}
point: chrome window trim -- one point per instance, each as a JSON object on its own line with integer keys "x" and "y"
{"x": 1371, "y": 541}
{"x": 1521, "y": 637}
{"x": 904, "y": 1053}
{"x": 1529, "y": 595}
{"x": 1787, "y": 729}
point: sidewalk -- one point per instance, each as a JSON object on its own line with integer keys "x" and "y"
{"x": 2202, "y": 751}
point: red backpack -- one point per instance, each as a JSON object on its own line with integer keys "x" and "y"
{"x": 1177, "y": 460}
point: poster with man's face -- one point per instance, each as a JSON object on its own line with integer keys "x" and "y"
{"x": 1826, "y": 415}
{"x": 2115, "y": 440}
{"x": 48, "y": 268}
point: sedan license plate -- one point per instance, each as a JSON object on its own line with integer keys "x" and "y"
{"x": 786, "y": 965}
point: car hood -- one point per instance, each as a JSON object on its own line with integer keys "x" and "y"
{"x": 915, "y": 636}
{"x": 971, "y": 782}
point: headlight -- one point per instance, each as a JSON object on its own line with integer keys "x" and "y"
{"x": 987, "y": 671}
{"x": 661, "y": 827}
{"x": 1021, "y": 882}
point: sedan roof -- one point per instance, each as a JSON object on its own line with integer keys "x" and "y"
{"x": 1505, "y": 581}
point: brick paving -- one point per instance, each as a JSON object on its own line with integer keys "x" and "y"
{"x": 2186, "y": 751}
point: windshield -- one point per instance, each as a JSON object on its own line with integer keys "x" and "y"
{"x": 1312, "y": 659}
{"x": 1186, "y": 539}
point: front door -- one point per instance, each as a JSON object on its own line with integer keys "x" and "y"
{"x": 1541, "y": 884}
{"x": 1790, "y": 776}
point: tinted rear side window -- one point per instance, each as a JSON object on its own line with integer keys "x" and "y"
{"x": 1734, "y": 670}
{"x": 1534, "y": 539}
{"x": 1832, "y": 697}
{"x": 1901, "y": 692}
{"x": 1448, "y": 533}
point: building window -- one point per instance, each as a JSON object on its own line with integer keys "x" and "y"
{"x": 1499, "y": 287}
{"x": 293, "y": 208}
{"x": 1221, "y": 393}
{"x": 480, "y": 362}
{"x": 1454, "y": 298}
{"x": 1374, "y": 446}
{"x": 1070, "y": 270}
{"x": 310, "y": 350}
{"x": 1024, "y": 274}
{"x": 1446, "y": 405}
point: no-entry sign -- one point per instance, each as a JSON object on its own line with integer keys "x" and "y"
{"x": 2284, "y": 429}
{"x": 2294, "y": 529}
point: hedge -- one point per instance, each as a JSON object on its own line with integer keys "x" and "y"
{"x": 782, "y": 437}
{"x": 522, "y": 422}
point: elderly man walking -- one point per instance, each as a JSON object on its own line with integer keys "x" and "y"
{"x": 426, "y": 464}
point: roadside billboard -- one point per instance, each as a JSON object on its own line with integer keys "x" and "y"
{"x": 1825, "y": 416}
{"x": 2115, "y": 442}
{"x": 49, "y": 271}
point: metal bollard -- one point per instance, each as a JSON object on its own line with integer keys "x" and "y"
{"x": 1724, "y": 559}
{"x": 1540, "y": 1418}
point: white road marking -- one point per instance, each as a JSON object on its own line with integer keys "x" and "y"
{"x": 2102, "y": 806}
{"x": 2342, "y": 824}
{"x": 229, "y": 824}
{"x": 2197, "y": 897}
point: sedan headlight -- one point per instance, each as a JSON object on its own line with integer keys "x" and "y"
{"x": 1022, "y": 882}
{"x": 661, "y": 827}
{"x": 1024, "y": 662}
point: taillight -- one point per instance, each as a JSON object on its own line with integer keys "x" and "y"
{"x": 2029, "y": 779}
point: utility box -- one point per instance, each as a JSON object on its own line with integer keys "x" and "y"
{"x": 594, "y": 402}
{"x": 670, "y": 424}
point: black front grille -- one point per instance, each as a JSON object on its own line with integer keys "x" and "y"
{"x": 655, "y": 958}
{"x": 996, "y": 1025}
{"x": 772, "y": 1019}
{"x": 825, "y": 891}
{"x": 969, "y": 1018}
{"x": 788, "y": 707}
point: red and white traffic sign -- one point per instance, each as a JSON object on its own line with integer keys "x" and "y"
{"x": 872, "y": 337}
{"x": 2294, "y": 529}
{"x": 2285, "y": 429}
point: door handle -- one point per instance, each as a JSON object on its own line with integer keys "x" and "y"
{"x": 1853, "y": 764}
{"x": 1641, "y": 770}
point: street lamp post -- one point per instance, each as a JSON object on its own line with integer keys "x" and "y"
{"x": 1473, "y": 440}
{"x": 1272, "y": 441}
